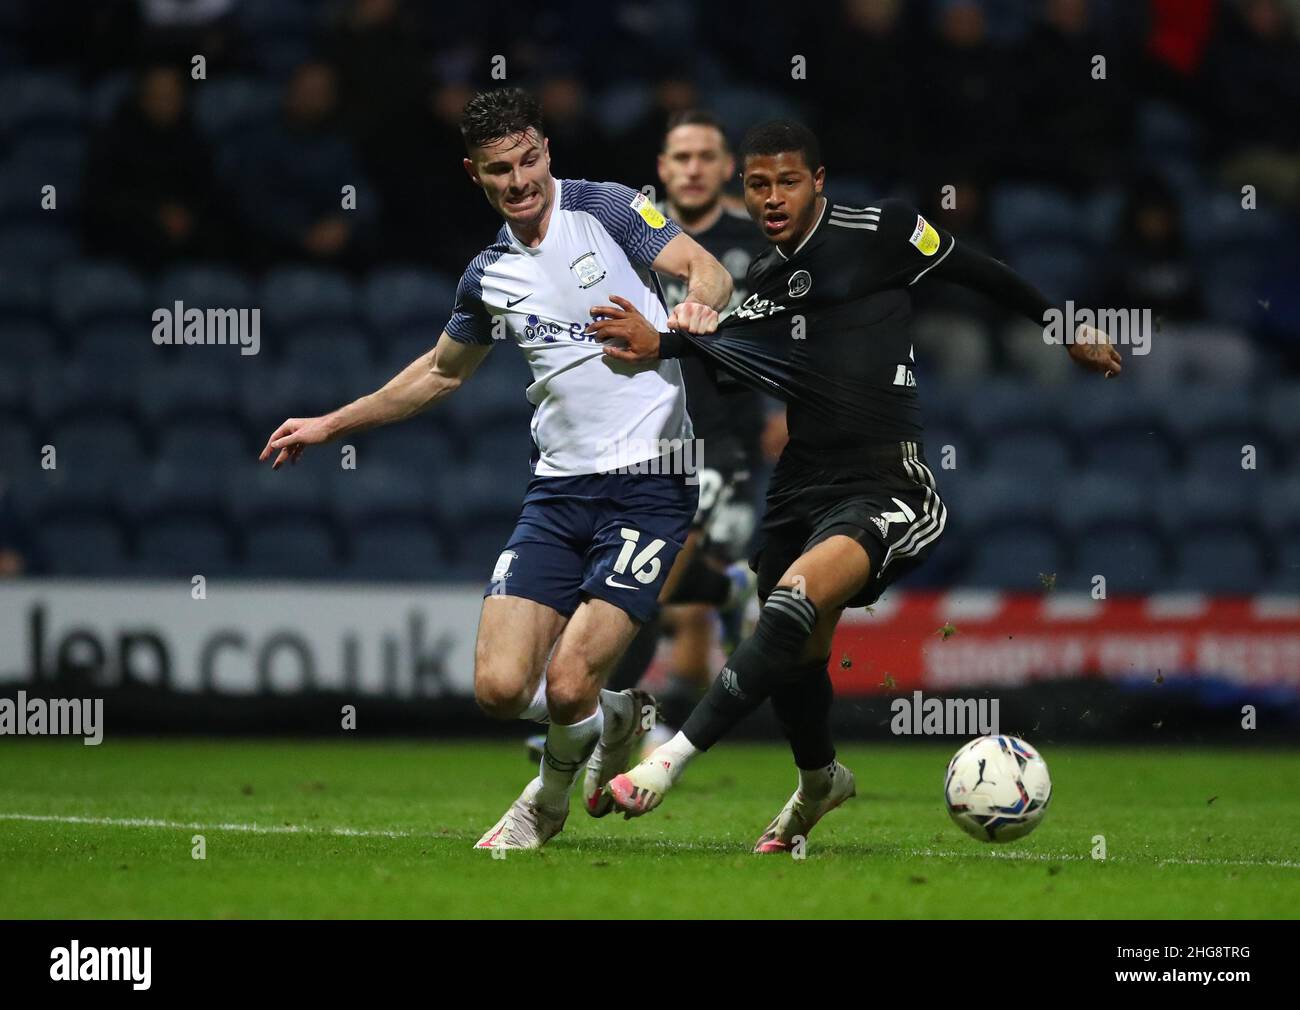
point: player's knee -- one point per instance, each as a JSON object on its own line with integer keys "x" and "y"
{"x": 786, "y": 624}
{"x": 572, "y": 689}
{"x": 500, "y": 696}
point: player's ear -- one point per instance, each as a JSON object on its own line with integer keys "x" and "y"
{"x": 472, "y": 172}
{"x": 819, "y": 179}
{"x": 731, "y": 167}
{"x": 660, "y": 161}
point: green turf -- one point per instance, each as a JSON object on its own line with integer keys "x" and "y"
{"x": 892, "y": 852}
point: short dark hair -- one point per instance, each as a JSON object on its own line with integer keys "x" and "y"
{"x": 694, "y": 117}
{"x": 780, "y": 136}
{"x": 502, "y": 112}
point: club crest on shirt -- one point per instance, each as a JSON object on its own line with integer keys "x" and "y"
{"x": 588, "y": 269}
{"x": 800, "y": 283}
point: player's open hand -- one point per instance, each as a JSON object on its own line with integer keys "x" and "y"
{"x": 1093, "y": 350}
{"x": 293, "y": 436}
{"x": 621, "y": 321}
{"x": 693, "y": 317}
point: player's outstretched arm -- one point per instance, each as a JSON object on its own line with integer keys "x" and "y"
{"x": 708, "y": 284}
{"x": 424, "y": 381}
{"x": 1091, "y": 348}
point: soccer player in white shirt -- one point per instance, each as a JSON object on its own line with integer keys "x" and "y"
{"x": 594, "y": 542}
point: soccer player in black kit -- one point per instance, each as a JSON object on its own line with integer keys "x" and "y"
{"x": 852, "y": 505}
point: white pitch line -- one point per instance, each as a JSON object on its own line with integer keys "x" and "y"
{"x": 1045, "y": 857}
{"x": 302, "y": 829}
{"x": 252, "y": 829}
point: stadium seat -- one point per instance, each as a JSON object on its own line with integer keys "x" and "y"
{"x": 184, "y": 545}
{"x": 403, "y": 299}
{"x": 336, "y": 348}
{"x": 407, "y": 548}
{"x": 991, "y": 497}
{"x": 22, "y": 293}
{"x": 188, "y": 390}
{"x": 1061, "y": 268}
{"x": 27, "y": 345}
{"x": 88, "y": 291}
{"x": 269, "y": 393}
{"x": 290, "y": 546}
{"x": 230, "y": 105}
{"x": 1037, "y": 455}
{"x": 1277, "y": 510}
{"x": 263, "y": 495}
{"x": 34, "y": 101}
{"x": 38, "y": 246}
{"x": 81, "y": 545}
{"x": 1098, "y": 499}
{"x": 376, "y": 490}
{"x": 1220, "y": 559}
{"x": 1209, "y": 410}
{"x": 1133, "y": 559}
{"x": 426, "y": 445}
{"x": 1011, "y": 559}
{"x": 205, "y": 287}
{"x": 203, "y": 443}
{"x": 298, "y": 296}
{"x": 1025, "y": 214}
{"x": 1280, "y": 414}
{"x": 61, "y": 391}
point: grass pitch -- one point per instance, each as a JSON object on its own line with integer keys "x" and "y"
{"x": 364, "y": 829}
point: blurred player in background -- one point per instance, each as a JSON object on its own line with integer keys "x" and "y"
{"x": 594, "y": 543}
{"x": 852, "y": 505}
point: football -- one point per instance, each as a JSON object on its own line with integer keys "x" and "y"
{"x": 997, "y": 788}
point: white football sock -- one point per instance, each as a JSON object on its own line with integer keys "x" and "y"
{"x": 536, "y": 710}
{"x": 676, "y": 754}
{"x": 567, "y": 750}
{"x": 618, "y": 709}
{"x": 815, "y": 783}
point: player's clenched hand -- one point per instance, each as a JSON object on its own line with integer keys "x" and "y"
{"x": 622, "y": 321}
{"x": 293, "y": 436}
{"x": 1093, "y": 350}
{"x": 693, "y": 317}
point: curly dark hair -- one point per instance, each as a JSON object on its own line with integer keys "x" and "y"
{"x": 502, "y": 112}
{"x": 779, "y": 136}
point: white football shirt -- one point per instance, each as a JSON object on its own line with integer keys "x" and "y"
{"x": 592, "y": 413}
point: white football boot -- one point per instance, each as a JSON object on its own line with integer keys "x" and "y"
{"x": 526, "y": 825}
{"x": 800, "y": 815}
{"x": 640, "y": 790}
{"x": 610, "y": 758}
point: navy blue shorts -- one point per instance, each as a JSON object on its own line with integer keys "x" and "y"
{"x": 612, "y": 536}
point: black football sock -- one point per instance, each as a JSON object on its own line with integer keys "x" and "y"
{"x": 702, "y": 583}
{"x": 803, "y": 708}
{"x": 759, "y": 665}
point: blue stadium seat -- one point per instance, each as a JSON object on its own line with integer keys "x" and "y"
{"x": 1138, "y": 455}
{"x": 1278, "y": 509}
{"x": 376, "y": 490}
{"x": 60, "y": 391}
{"x": 992, "y": 407}
{"x": 27, "y": 345}
{"x": 188, "y": 390}
{"x": 991, "y": 498}
{"x": 269, "y": 393}
{"x": 425, "y": 446}
{"x": 22, "y": 293}
{"x": 477, "y": 545}
{"x": 1165, "y": 131}
{"x": 484, "y": 489}
{"x": 407, "y": 548}
{"x": 1222, "y": 455}
{"x": 337, "y": 348}
{"x": 298, "y": 492}
{"x": 495, "y": 394}
{"x": 1133, "y": 559}
{"x": 183, "y": 486}
{"x": 1061, "y": 268}
{"x": 297, "y": 296}
{"x": 1013, "y": 559}
{"x": 81, "y": 545}
{"x": 205, "y": 287}
{"x": 1036, "y": 455}
{"x": 1098, "y": 499}
{"x": 183, "y": 545}
{"x": 119, "y": 345}
{"x": 38, "y": 246}
{"x": 107, "y": 438}
{"x": 204, "y": 442}
{"x": 107, "y": 95}
{"x": 34, "y": 101}
{"x": 290, "y": 546}
{"x": 1023, "y": 214}
{"x": 1199, "y": 497}
{"x": 1286, "y": 564}
{"x": 401, "y": 299}
{"x": 22, "y": 194}
{"x": 1280, "y": 414}
{"x": 229, "y": 105}
{"x": 1206, "y": 410}
{"x": 61, "y": 154}
{"x": 1220, "y": 559}
{"x": 88, "y": 291}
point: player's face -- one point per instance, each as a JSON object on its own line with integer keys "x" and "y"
{"x": 514, "y": 173}
{"x": 781, "y": 194}
{"x": 694, "y": 166}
